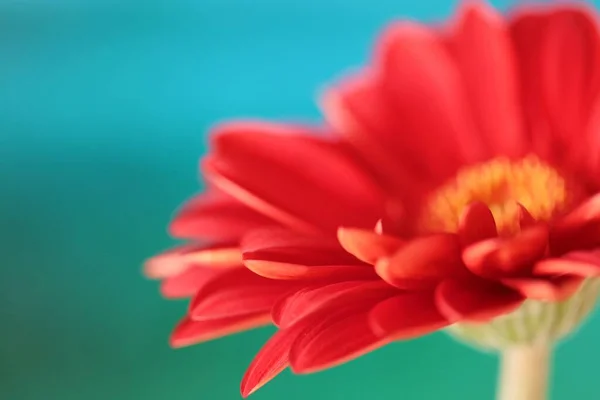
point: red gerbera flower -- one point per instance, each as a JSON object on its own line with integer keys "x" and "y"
{"x": 463, "y": 185}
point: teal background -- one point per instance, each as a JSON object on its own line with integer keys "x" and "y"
{"x": 103, "y": 109}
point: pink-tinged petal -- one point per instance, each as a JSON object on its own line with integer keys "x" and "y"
{"x": 303, "y": 302}
{"x": 423, "y": 262}
{"x": 425, "y": 89}
{"x": 187, "y": 283}
{"x": 175, "y": 261}
{"x": 406, "y": 316}
{"x": 237, "y": 292}
{"x": 578, "y": 263}
{"x": 271, "y": 360}
{"x": 507, "y": 257}
{"x": 189, "y": 332}
{"x": 481, "y": 45}
{"x": 379, "y": 228}
{"x": 281, "y": 254}
{"x": 215, "y": 216}
{"x": 368, "y": 246}
{"x": 475, "y": 300}
{"x": 337, "y": 332}
{"x": 476, "y": 224}
{"x": 169, "y": 263}
{"x": 397, "y": 222}
{"x": 293, "y": 176}
{"x": 545, "y": 289}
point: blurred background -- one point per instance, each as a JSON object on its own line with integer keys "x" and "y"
{"x": 103, "y": 112}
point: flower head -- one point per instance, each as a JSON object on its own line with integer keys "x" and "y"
{"x": 460, "y": 189}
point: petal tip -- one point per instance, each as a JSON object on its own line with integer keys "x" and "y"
{"x": 477, "y": 223}
{"x": 245, "y": 389}
{"x": 161, "y": 266}
{"x": 177, "y": 342}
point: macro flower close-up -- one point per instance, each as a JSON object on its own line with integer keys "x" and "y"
{"x": 454, "y": 184}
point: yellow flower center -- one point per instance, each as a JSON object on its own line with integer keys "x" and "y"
{"x": 502, "y": 185}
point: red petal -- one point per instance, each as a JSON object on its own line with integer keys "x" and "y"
{"x": 425, "y": 88}
{"x": 303, "y": 302}
{"x": 272, "y": 359}
{"x": 285, "y": 271}
{"x": 526, "y": 220}
{"x": 406, "y": 316}
{"x": 423, "y": 262}
{"x": 588, "y": 211}
{"x": 397, "y": 221}
{"x": 337, "y": 340}
{"x": 337, "y": 333}
{"x": 189, "y": 332}
{"x": 293, "y": 176}
{"x": 179, "y": 259}
{"x": 549, "y": 289}
{"x": 367, "y": 246}
{"x": 281, "y": 254}
{"x": 506, "y": 257}
{"x": 480, "y": 43}
{"x": 291, "y": 246}
{"x": 333, "y": 331}
{"x": 237, "y": 292}
{"x": 215, "y": 216}
{"x": 570, "y": 74}
{"x": 579, "y": 230}
{"x": 591, "y": 168}
{"x": 584, "y": 264}
{"x": 476, "y": 224}
{"x": 187, "y": 283}
{"x": 359, "y": 110}
{"x": 475, "y": 300}
{"x": 559, "y": 55}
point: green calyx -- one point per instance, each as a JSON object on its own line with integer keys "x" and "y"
{"x": 534, "y": 321}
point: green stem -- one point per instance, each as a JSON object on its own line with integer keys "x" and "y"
{"x": 524, "y": 372}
